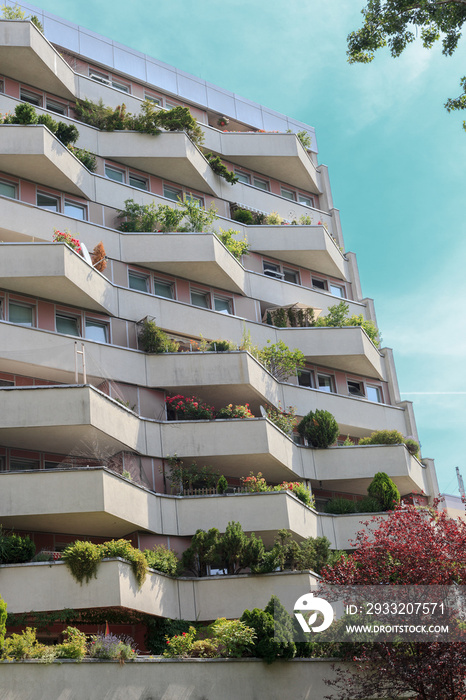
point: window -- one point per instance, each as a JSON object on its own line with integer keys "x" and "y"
{"x": 355, "y": 388}
{"x": 272, "y": 270}
{"x": 305, "y": 199}
{"x": 32, "y": 97}
{"x": 120, "y": 86}
{"x": 75, "y": 210}
{"x": 99, "y": 77}
{"x": 374, "y": 393}
{"x": 21, "y": 314}
{"x": 68, "y": 325}
{"x": 200, "y": 299}
{"x": 2, "y": 86}
{"x": 261, "y": 184}
{"x": 7, "y": 189}
{"x": 163, "y": 289}
{"x": 114, "y": 173}
{"x": 5, "y": 382}
{"x": 305, "y": 378}
{"x": 319, "y": 284}
{"x": 196, "y": 198}
{"x": 325, "y": 383}
{"x": 2, "y": 464}
{"x": 171, "y": 105}
{"x": 46, "y": 201}
{"x": 19, "y": 465}
{"x": 139, "y": 182}
{"x": 337, "y": 291}
{"x": 222, "y": 305}
{"x": 57, "y": 107}
{"x": 243, "y": 177}
{"x": 138, "y": 282}
{"x": 288, "y": 194}
{"x": 97, "y": 330}
{"x": 290, "y": 275}
{"x": 172, "y": 193}
{"x": 152, "y": 98}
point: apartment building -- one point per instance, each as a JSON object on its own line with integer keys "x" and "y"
{"x": 85, "y": 435}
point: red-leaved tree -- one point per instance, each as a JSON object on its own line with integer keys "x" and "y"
{"x": 416, "y": 547}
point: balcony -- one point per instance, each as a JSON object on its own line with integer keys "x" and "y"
{"x": 77, "y": 420}
{"x": 27, "y": 56}
{"x": 170, "y": 155}
{"x": 33, "y": 153}
{"x": 54, "y": 271}
{"x": 199, "y": 257}
{"x": 280, "y": 156}
{"x": 44, "y": 587}
{"x": 307, "y": 246}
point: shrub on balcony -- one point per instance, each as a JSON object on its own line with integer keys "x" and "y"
{"x": 159, "y": 629}
{"x": 236, "y": 248}
{"x": 232, "y": 411}
{"x": 233, "y": 637}
{"x": 273, "y": 219}
{"x": 338, "y": 317}
{"x": 181, "y": 644}
{"x": 3, "y": 616}
{"x": 25, "y": 114}
{"x": 83, "y": 558}
{"x": 384, "y": 490}
{"x": 220, "y": 168}
{"x": 153, "y": 339}
{"x": 162, "y": 559}
{"x": 340, "y": 506}
{"x": 285, "y": 420}
{"x": 220, "y": 346}
{"x": 368, "y": 504}
{"x": 319, "y": 428}
{"x": 222, "y": 485}
{"x": 87, "y": 158}
{"x": 112, "y": 646}
{"x": 202, "y": 553}
{"x": 299, "y": 490}
{"x": 181, "y": 407}
{"x": 25, "y": 646}
{"x": 273, "y": 629}
{"x": 243, "y": 216}
{"x": 279, "y": 360}
{"x": 15, "y": 549}
{"x": 391, "y": 437}
{"x": 255, "y": 483}
{"x": 74, "y": 645}
{"x": 188, "y": 477}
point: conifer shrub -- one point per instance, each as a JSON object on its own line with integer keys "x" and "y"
{"x": 384, "y": 490}
{"x": 319, "y": 428}
{"x": 15, "y": 549}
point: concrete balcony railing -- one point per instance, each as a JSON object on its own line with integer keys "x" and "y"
{"x": 308, "y": 246}
{"x": 80, "y": 420}
{"x": 95, "y": 501}
{"x": 199, "y": 257}
{"x": 44, "y": 587}
{"x": 34, "y": 153}
{"x": 280, "y": 156}
{"x": 27, "y": 56}
{"x": 55, "y": 271}
{"x": 218, "y": 377}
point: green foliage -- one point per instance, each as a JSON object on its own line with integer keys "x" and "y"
{"x": 97, "y": 114}
{"x": 14, "y": 12}
{"x": 159, "y": 629}
{"x": 25, "y": 113}
{"x": 456, "y": 103}
{"x": 235, "y": 636}
{"x": 285, "y": 420}
{"x": 319, "y": 428}
{"x": 112, "y": 646}
{"x": 87, "y": 158}
{"x": 74, "y": 646}
{"x": 146, "y": 218}
{"x": 205, "y": 649}
{"x": 243, "y": 216}
{"x": 220, "y": 169}
{"x": 3, "y": 616}
{"x": 184, "y": 477}
{"x": 125, "y": 550}
{"x": 338, "y": 316}
{"x": 305, "y": 139}
{"x": 287, "y": 554}
{"x": 413, "y": 446}
{"x": 383, "y": 437}
{"x": 236, "y": 551}
{"x": 180, "y": 119}
{"x": 180, "y": 644}
{"x": 340, "y": 506}
{"x": 368, "y": 504}
{"x": 232, "y": 411}
{"x": 67, "y": 133}
{"x": 348, "y": 441}
{"x": 222, "y": 485}
{"x": 15, "y": 549}
{"x": 274, "y": 631}
{"x": 221, "y": 346}
{"x": 280, "y": 361}
{"x": 37, "y": 23}
{"x": 255, "y": 484}
{"x": 236, "y": 248}
{"x": 273, "y": 219}
{"x": 25, "y": 646}
{"x": 154, "y": 340}
{"x": 198, "y": 219}
{"x": 384, "y": 490}
{"x": 162, "y": 559}
{"x": 299, "y": 490}
{"x": 47, "y": 121}
{"x": 202, "y": 552}
{"x": 82, "y": 559}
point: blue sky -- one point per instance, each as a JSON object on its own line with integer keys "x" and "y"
{"x": 396, "y": 162}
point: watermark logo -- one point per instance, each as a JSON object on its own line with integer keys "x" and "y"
{"x": 309, "y": 603}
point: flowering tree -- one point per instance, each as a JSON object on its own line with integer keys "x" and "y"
{"x": 416, "y": 547}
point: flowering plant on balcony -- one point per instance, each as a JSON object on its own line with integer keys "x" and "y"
{"x": 299, "y": 490}
{"x": 232, "y": 411}
{"x": 255, "y": 484}
{"x": 181, "y": 407}
{"x": 284, "y": 419}
{"x": 66, "y": 237}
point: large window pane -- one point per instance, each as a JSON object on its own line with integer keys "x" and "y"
{"x": 138, "y": 282}
{"x": 172, "y": 193}
{"x": 222, "y": 305}
{"x": 19, "y": 465}
{"x": 67, "y": 325}
{"x": 163, "y": 289}
{"x": 114, "y": 174}
{"x": 76, "y": 211}
{"x": 325, "y": 383}
{"x": 199, "y": 299}
{"x": 95, "y": 330}
{"x": 45, "y": 201}
{"x": 7, "y": 190}
{"x": 21, "y": 314}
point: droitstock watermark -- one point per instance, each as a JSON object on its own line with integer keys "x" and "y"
{"x": 380, "y": 613}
